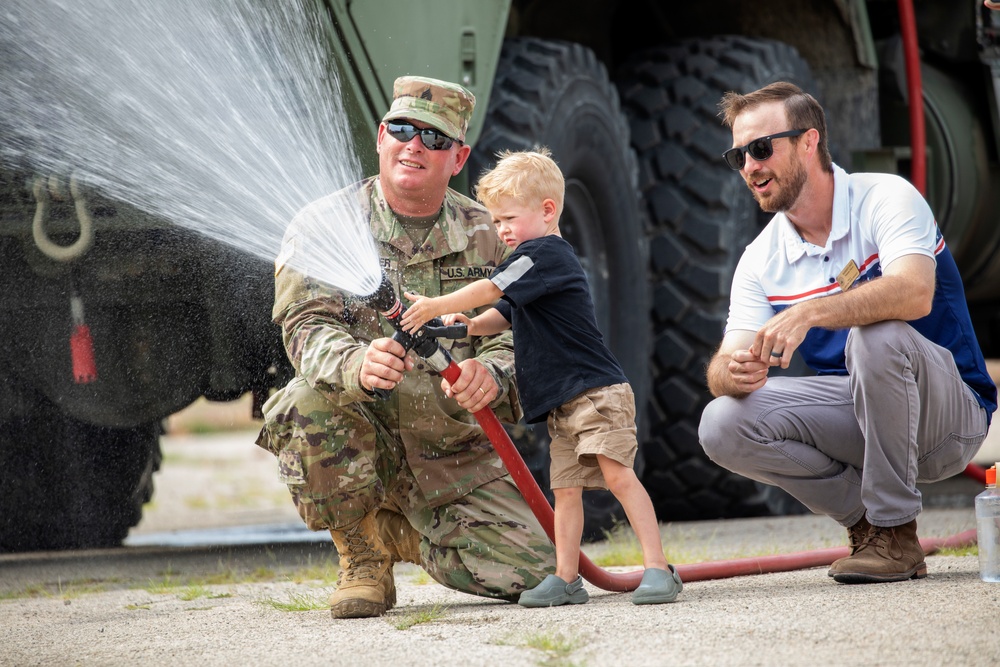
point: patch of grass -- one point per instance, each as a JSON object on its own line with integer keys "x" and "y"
{"x": 185, "y": 586}
{"x": 325, "y": 572}
{"x": 232, "y": 576}
{"x": 968, "y": 550}
{"x": 620, "y": 548}
{"x": 198, "y": 591}
{"x": 32, "y": 591}
{"x": 193, "y": 593}
{"x": 79, "y": 588}
{"x": 196, "y": 502}
{"x": 204, "y": 428}
{"x": 64, "y": 590}
{"x": 421, "y": 578}
{"x": 556, "y": 646}
{"x": 296, "y": 602}
{"x": 227, "y": 574}
{"x": 134, "y": 607}
{"x": 418, "y": 617}
{"x": 554, "y": 643}
{"x": 165, "y": 586}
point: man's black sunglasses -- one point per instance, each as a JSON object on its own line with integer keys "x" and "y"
{"x": 759, "y": 149}
{"x": 432, "y": 139}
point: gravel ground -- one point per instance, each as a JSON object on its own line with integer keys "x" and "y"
{"x": 179, "y": 605}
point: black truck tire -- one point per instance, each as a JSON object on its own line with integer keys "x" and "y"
{"x": 701, "y": 217}
{"x": 558, "y": 95}
{"x": 65, "y": 484}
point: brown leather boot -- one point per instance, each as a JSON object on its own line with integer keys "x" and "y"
{"x": 887, "y": 554}
{"x": 856, "y": 536}
{"x": 365, "y": 586}
{"x": 401, "y": 539}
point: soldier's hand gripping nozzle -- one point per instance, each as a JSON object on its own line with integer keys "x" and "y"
{"x": 423, "y": 341}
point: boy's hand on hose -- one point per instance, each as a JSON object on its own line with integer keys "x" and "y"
{"x": 451, "y": 318}
{"x": 419, "y": 313}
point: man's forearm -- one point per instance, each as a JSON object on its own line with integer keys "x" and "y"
{"x": 881, "y": 299}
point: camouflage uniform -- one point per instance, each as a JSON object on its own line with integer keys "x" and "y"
{"x": 343, "y": 453}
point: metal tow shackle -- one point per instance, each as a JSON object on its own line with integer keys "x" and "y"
{"x": 50, "y": 248}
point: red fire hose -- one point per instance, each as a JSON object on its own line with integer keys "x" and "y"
{"x": 628, "y": 581}
{"x": 425, "y": 344}
{"x": 539, "y": 504}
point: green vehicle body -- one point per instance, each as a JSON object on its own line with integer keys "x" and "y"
{"x": 624, "y": 94}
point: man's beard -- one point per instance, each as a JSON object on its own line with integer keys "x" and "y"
{"x": 785, "y": 198}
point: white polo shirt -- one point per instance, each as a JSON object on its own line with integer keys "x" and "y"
{"x": 877, "y": 218}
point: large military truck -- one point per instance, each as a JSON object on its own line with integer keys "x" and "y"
{"x": 625, "y": 94}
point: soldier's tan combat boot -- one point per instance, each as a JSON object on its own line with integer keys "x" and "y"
{"x": 856, "y": 536}
{"x": 365, "y": 587}
{"x": 401, "y": 540}
{"x": 887, "y": 554}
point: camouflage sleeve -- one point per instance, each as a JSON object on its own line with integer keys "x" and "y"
{"x": 322, "y": 347}
{"x": 324, "y": 343}
{"x": 323, "y": 352}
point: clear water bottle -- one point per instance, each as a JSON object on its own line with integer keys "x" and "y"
{"x": 988, "y": 528}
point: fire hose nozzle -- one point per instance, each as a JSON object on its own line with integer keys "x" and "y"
{"x": 384, "y": 298}
{"x": 423, "y": 341}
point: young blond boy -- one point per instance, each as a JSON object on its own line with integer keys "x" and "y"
{"x": 566, "y": 374}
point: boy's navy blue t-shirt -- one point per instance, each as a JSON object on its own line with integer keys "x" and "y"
{"x": 558, "y": 350}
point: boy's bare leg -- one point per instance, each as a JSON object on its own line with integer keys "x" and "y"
{"x": 568, "y": 531}
{"x": 629, "y": 491}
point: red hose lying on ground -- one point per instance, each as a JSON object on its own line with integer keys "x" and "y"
{"x": 539, "y": 504}
{"x": 798, "y": 561}
{"x": 628, "y": 581}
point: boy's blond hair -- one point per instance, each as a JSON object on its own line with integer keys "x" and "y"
{"x": 528, "y": 177}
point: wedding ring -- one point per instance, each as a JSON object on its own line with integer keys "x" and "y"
{"x": 775, "y": 354}
{"x": 482, "y": 390}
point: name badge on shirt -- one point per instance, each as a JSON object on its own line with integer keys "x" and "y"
{"x": 848, "y": 275}
{"x": 466, "y": 272}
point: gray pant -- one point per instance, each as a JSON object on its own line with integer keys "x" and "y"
{"x": 842, "y": 445}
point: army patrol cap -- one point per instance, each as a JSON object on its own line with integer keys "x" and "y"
{"x": 442, "y": 105}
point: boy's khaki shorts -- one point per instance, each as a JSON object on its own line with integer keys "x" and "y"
{"x": 598, "y": 421}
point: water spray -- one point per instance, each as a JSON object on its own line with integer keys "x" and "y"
{"x": 224, "y": 118}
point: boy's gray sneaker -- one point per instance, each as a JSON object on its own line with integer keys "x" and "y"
{"x": 553, "y": 592}
{"x": 658, "y": 586}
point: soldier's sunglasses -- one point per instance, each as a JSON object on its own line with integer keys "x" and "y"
{"x": 760, "y": 149}
{"x": 432, "y": 139}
